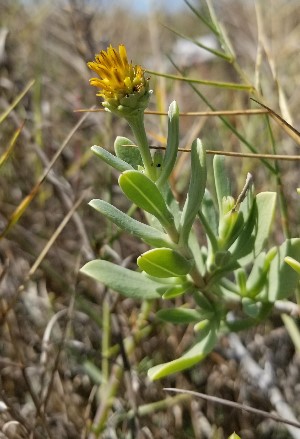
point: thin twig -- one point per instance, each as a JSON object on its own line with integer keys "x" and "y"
{"x": 287, "y": 307}
{"x": 265, "y": 381}
{"x": 14, "y": 331}
{"x": 292, "y": 131}
{"x": 59, "y": 351}
{"x": 239, "y": 154}
{"x": 34, "y": 191}
{"x": 15, "y": 413}
{"x": 235, "y": 405}
{"x": 251, "y": 112}
{"x": 55, "y": 235}
{"x": 36, "y": 403}
{"x": 242, "y": 196}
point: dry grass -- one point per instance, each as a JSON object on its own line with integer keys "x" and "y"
{"x": 52, "y": 318}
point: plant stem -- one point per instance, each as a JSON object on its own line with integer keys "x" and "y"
{"x": 148, "y": 409}
{"x": 275, "y": 170}
{"x": 281, "y": 195}
{"x": 105, "y": 339}
{"x": 136, "y": 123}
{"x": 108, "y": 390}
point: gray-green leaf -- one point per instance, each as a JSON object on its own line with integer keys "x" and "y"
{"x": 110, "y": 159}
{"x": 147, "y": 233}
{"x": 196, "y": 190}
{"x": 126, "y": 282}
{"x": 164, "y": 262}
{"x": 193, "y": 356}
{"x": 172, "y": 144}
{"x": 127, "y": 151}
{"x": 222, "y": 181}
{"x": 179, "y": 315}
{"x": 144, "y": 193}
{"x": 282, "y": 279}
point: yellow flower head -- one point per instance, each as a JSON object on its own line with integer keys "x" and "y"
{"x": 122, "y": 84}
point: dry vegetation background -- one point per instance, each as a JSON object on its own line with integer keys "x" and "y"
{"x": 51, "y": 317}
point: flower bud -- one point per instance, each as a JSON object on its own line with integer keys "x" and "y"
{"x": 122, "y": 85}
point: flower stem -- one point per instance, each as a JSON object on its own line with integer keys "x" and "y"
{"x": 136, "y": 123}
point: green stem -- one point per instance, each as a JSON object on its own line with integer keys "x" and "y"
{"x": 136, "y": 123}
{"x": 198, "y": 279}
{"x": 172, "y": 232}
{"x": 281, "y": 195}
{"x": 148, "y": 409}
{"x": 275, "y": 170}
{"x": 228, "y": 124}
{"x": 105, "y": 339}
{"x": 108, "y": 390}
{"x": 227, "y": 85}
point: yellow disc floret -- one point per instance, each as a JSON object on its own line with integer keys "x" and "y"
{"x": 122, "y": 84}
